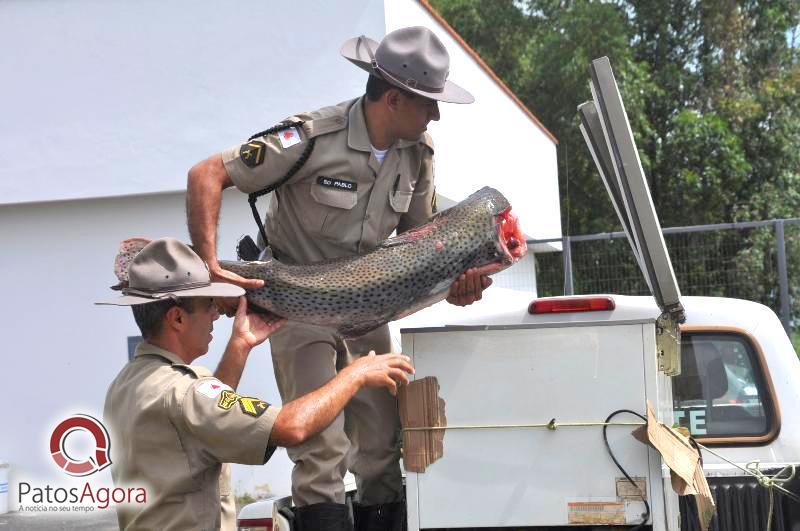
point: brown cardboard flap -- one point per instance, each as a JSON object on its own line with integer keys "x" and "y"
{"x": 421, "y": 407}
{"x": 683, "y": 461}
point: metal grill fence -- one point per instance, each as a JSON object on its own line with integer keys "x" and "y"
{"x": 758, "y": 261}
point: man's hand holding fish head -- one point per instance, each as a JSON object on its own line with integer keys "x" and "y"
{"x": 468, "y": 288}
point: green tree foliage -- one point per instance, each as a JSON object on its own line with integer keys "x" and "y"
{"x": 711, "y": 91}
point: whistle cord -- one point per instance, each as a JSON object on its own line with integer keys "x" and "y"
{"x": 252, "y": 198}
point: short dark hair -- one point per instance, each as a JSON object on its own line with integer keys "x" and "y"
{"x": 377, "y": 87}
{"x": 150, "y": 317}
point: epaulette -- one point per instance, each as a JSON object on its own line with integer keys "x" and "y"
{"x": 427, "y": 140}
{"x": 196, "y": 370}
{"x": 324, "y": 125}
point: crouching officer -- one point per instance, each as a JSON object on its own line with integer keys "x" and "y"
{"x": 175, "y": 426}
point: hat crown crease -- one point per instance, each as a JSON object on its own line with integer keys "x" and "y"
{"x": 167, "y": 265}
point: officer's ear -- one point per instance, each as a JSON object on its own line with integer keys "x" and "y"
{"x": 174, "y": 318}
{"x": 393, "y": 96}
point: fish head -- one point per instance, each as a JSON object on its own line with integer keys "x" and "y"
{"x": 500, "y": 236}
{"x": 510, "y": 240}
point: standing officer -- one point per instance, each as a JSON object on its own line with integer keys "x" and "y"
{"x": 175, "y": 425}
{"x": 345, "y": 177}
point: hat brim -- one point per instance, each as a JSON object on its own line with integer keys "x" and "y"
{"x": 215, "y": 289}
{"x": 358, "y": 55}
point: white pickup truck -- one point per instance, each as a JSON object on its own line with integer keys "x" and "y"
{"x": 524, "y": 392}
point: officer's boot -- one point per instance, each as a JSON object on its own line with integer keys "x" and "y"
{"x": 322, "y": 517}
{"x": 384, "y": 517}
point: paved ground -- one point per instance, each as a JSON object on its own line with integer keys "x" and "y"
{"x": 99, "y": 521}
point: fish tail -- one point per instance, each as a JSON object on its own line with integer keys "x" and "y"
{"x": 128, "y": 249}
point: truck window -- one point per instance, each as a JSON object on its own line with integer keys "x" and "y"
{"x": 721, "y": 391}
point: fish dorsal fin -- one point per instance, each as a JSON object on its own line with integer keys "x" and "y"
{"x": 247, "y": 269}
{"x": 409, "y": 236}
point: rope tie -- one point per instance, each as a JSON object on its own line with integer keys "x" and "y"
{"x": 771, "y": 483}
{"x": 552, "y": 425}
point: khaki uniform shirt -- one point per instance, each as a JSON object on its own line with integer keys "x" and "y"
{"x": 172, "y": 427}
{"x": 342, "y": 202}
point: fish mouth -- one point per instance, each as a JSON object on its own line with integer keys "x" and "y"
{"x": 511, "y": 241}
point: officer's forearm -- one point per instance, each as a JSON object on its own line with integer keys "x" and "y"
{"x": 231, "y": 366}
{"x": 308, "y": 415}
{"x": 205, "y": 184}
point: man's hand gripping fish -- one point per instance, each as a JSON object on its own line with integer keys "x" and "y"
{"x": 401, "y": 276}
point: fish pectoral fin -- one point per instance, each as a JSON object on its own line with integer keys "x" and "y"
{"x": 395, "y": 242}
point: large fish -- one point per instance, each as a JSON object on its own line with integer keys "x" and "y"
{"x": 399, "y": 277}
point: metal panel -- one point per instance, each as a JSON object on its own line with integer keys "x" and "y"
{"x": 638, "y": 203}
{"x": 518, "y": 376}
{"x": 592, "y": 131}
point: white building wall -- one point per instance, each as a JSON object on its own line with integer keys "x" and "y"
{"x": 111, "y": 97}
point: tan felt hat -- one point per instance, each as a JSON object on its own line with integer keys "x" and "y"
{"x": 412, "y": 58}
{"x": 166, "y": 269}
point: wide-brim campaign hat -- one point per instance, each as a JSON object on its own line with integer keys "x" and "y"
{"x": 413, "y": 59}
{"x": 168, "y": 269}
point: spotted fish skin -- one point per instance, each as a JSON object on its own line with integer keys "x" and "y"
{"x": 128, "y": 249}
{"x": 402, "y": 275}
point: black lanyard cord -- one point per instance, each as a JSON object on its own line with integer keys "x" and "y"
{"x": 253, "y": 197}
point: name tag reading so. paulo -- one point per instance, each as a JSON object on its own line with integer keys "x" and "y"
{"x": 339, "y": 184}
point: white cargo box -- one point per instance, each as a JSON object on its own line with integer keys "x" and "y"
{"x": 494, "y": 378}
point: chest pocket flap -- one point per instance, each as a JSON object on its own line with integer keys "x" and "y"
{"x": 400, "y": 200}
{"x": 403, "y": 190}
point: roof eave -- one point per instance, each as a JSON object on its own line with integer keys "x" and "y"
{"x": 477, "y": 58}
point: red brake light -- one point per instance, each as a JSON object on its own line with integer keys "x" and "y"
{"x": 571, "y": 304}
{"x": 254, "y": 524}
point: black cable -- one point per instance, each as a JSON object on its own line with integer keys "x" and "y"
{"x": 611, "y": 454}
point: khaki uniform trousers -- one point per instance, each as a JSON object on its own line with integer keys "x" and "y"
{"x": 364, "y": 438}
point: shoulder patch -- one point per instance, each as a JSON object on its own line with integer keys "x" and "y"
{"x": 255, "y": 407}
{"x": 289, "y": 137}
{"x": 253, "y": 153}
{"x": 228, "y": 399}
{"x": 211, "y": 388}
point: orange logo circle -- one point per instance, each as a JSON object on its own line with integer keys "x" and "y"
{"x": 92, "y": 463}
